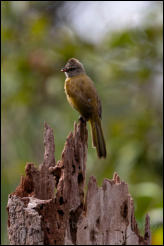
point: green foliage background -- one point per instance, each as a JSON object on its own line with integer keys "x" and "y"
{"x": 126, "y": 67}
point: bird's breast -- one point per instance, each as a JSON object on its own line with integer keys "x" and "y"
{"x": 81, "y": 94}
{"x": 71, "y": 91}
{"x": 70, "y": 87}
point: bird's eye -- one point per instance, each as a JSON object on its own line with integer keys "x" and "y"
{"x": 71, "y": 69}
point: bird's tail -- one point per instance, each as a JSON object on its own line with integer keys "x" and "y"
{"x": 98, "y": 137}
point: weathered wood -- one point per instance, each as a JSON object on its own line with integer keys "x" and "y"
{"x": 49, "y": 207}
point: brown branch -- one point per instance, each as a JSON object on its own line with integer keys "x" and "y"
{"x": 37, "y": 214}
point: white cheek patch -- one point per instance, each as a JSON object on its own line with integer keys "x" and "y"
{"x": 66, "y": 74}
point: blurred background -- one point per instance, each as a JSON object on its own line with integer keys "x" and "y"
{"x": 120, "y": 45}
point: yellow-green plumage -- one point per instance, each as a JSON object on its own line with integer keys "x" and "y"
{"x": 82, "y": 95}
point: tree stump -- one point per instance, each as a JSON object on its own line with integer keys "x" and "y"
{"x": 49, "y": 207}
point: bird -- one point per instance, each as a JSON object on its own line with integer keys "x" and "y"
{"x": 82, "y": 96}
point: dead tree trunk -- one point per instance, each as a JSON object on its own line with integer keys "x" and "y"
{"x": 49, "y": 207}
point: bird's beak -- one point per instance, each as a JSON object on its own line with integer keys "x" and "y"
{"x": 63, "y": 69}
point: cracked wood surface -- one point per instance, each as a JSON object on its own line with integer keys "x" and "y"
{"x": 49, "y": 207}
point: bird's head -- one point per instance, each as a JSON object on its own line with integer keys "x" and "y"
{"x": 73, "y": 67}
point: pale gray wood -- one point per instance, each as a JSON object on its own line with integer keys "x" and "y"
{"x": 49, "y": 207}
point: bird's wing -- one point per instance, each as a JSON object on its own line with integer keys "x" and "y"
{"x": 92, "y": 93}
{"x": 83, "y": 95}
{"x": 87, "y": 91}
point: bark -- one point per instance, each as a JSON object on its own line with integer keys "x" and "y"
{"x": 49, "y": 207}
